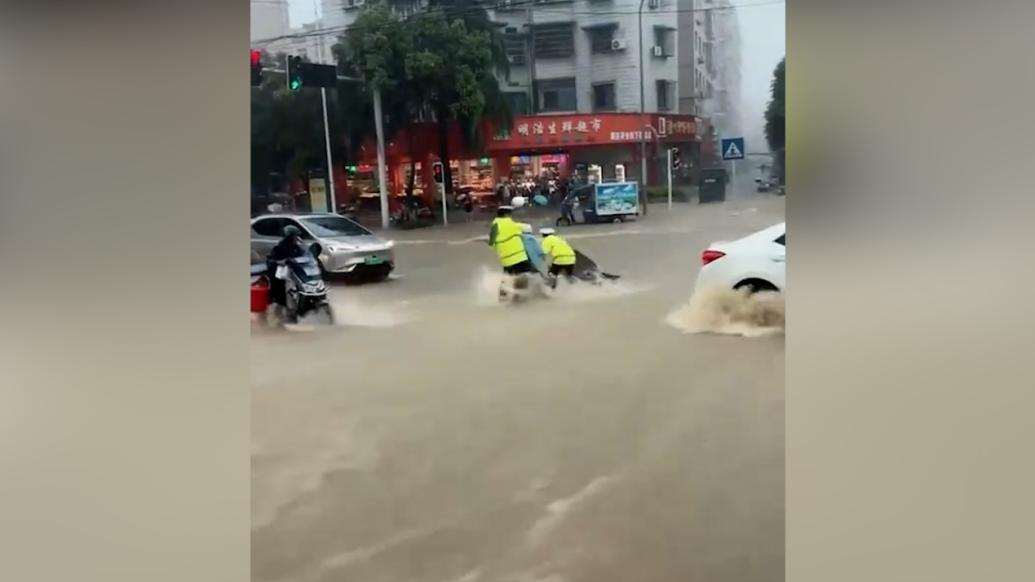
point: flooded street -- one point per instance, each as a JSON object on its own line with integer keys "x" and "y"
{"x": 439, "y": 436}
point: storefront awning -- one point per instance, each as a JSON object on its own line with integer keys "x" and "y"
{"x": 563, "y": 132}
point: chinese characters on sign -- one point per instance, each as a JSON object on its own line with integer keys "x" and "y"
{"x": 566, "y": 126}
{"x": 589, "y": 129}
{"x": 682, "y": 127}
{"x": 626, "y": 135}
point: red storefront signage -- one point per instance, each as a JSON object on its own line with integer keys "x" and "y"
{"x": 551, "y": 131}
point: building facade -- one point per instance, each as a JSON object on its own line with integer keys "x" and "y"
{"x": 268, "y": 20}
{"x": 584, "y": 56}
{"x": 725, "y": 42}
{"x": 586, "y": 77}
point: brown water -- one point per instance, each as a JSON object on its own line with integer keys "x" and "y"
{"x": 438, "y": 435}
{"x": 730, "y": 311}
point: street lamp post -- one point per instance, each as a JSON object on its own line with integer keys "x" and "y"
{"x": 643, "y": 115}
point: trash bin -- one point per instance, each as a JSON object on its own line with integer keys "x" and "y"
{"x": 712, "y": 186}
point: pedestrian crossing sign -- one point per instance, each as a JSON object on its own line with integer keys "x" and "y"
{"x": 733, "y": 148}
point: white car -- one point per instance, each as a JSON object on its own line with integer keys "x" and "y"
{"x": 756, "y": 261}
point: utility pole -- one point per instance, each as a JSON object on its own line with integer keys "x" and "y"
{"x": 670, "y": 178}
{"x": 379, "y": 128}
{"x": 643, "y": 117}
{"x": 327, "y": 143}
{"x": 532, "y": 92}
{"x": 326, "y": 126}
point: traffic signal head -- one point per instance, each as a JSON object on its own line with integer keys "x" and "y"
{"x": 436, "y": 171}
{"x": 294, "y": 73}
{"x": 675, "y": 158}
{"x": 256, "y": 68}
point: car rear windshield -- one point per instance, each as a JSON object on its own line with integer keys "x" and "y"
{"x": 331, "y": 226}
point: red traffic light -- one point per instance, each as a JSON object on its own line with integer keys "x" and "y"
{"x": 256, "y": 57}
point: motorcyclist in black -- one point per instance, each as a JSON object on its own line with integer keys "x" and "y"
{"x": 289, "y": 247}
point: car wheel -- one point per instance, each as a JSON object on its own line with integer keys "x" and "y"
{"x": 381, "y": 275}
{"x": 756, "y": 286}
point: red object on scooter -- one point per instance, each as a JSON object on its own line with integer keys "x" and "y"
{"x": 260, "y": 295}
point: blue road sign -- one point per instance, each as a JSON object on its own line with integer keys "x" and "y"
{"x": 733, "y": 148}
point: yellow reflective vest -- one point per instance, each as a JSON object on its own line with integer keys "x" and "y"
{"x": 509, "y": 247}
{"x": 559, "y": 249}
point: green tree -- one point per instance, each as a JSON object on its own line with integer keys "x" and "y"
{"x": 439, "y": 64}
{"x": 775, "y": 125}
{"x": 375, "y": 50}
{"x": 287, "y": 130}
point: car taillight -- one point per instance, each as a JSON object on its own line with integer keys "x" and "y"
{"x": 710, "y": 255}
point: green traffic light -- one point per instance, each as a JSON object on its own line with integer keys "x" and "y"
{"x": 296, "y": 84}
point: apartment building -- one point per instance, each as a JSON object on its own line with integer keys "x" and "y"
{"x": 589, "y": 81}
{"x": 268, "y": 20}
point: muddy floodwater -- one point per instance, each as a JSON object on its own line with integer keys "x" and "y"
{"x": 621, "y": 433}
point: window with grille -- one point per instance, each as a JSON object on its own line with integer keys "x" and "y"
{"x": 516, "y": 49}
{"x": 518, "y": 102}
{"x": 555, "y": 40}
{"x": 600, "y": 38}
{"x": 557, "y": 95}
{"x": 665, "y": 38}
{"x": 666, "y": 94}
{"x": 604, "y": 97}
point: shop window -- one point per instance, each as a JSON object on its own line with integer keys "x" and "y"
{"x": 557, "y": 95}
{"x": 555, "y": 40}
{"x": 666, "y": 94}
{"x": 604, "y": 97}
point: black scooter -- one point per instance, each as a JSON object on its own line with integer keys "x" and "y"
{"x": 305, "y": 290}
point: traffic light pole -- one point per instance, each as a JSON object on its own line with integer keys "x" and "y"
{"x": 670, "y": 178}
{"x": 381, "y": 170}
{"x": 327, "y": 142}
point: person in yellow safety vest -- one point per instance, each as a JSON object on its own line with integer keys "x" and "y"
{"x": 505, "y": 237}
{"x": 562, "y": 256}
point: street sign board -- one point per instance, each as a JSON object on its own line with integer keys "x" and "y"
{"x": 733, "y": 148}
{"x": 317, "y": 195}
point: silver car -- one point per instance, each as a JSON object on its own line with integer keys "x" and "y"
{"x": 344, "y": 246}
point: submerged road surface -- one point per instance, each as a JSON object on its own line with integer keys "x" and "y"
{"x": 437, "y": 436}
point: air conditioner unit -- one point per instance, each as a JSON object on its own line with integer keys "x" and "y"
{"x": 618, "y": 44}
{"x": 658, "y": 50}
{"x": 653, "y": 4}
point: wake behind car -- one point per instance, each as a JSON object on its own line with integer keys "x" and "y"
{"x": 756, "y": 261}
{"x": 344, "y": 246}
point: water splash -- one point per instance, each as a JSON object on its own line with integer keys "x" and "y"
{"x": 730, "y": 312}
{"x": 352, "y": 313}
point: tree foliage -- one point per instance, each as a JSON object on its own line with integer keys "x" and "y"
{"x": 775, "y": 125}
{"x": 287, "y": 130}
{"x": 439, "y": 64}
